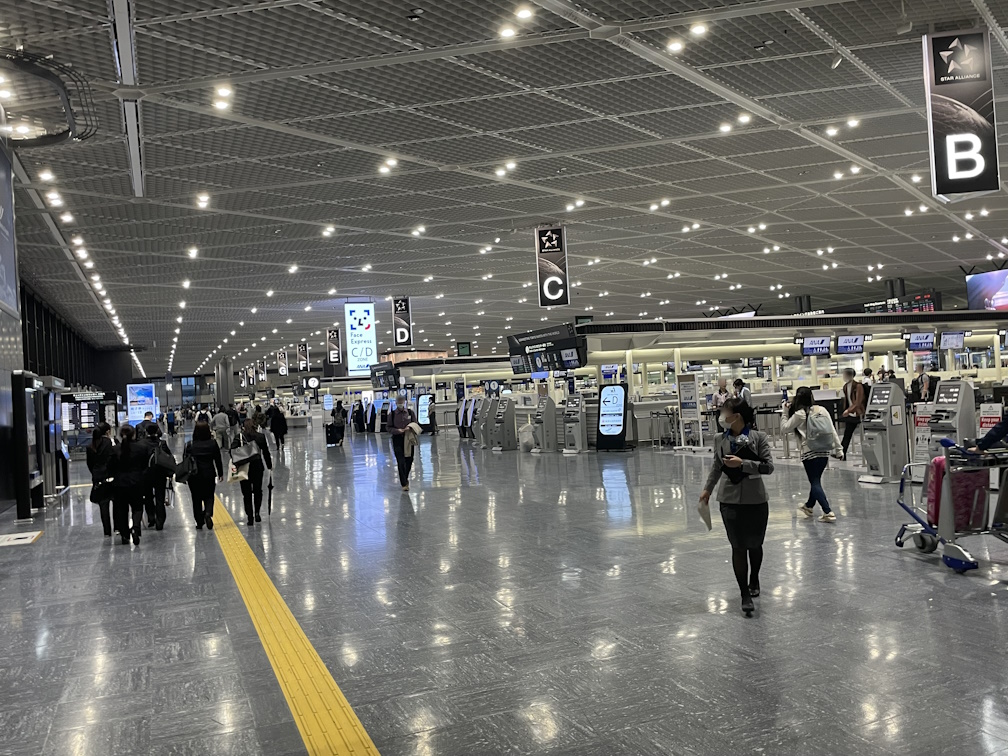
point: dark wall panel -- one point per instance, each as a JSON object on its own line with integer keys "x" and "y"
{"x": 51, "y": 346}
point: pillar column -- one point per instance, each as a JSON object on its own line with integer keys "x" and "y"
{"x": 629, "y": 370}
{"x": 997, "y": 357}
{"x": 224, "y": 386}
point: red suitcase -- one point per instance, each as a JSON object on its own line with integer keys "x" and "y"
{"x": 969, "y": 495}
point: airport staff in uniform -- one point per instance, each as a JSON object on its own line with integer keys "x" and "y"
{"x": 401, "y": 417}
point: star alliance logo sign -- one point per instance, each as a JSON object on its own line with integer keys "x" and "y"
{"x": 549, "y": 241}
{"x": 963, "y": 60}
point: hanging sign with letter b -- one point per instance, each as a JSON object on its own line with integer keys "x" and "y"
{"x": 551, "y": 266}
{"x": 958, "y": 78}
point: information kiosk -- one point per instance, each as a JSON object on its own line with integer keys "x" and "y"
{"x": 612, "y": 431}
{"x": 460, "y": 416}
{"x": 487, "y": 413}
{"x": 474, "y": 410}
{"x": 26, "y": 398}
{"x": 575, "y": 426}
{"x": 383, "y": 413}
{"x": 953, "y": 416}
{"x": 503, "y": 434}
{"x": 55, "y": 470}
{"x": 885, "y": 434}
{"x": 544, "y": 435}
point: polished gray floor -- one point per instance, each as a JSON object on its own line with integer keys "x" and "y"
{"x": 509, "y": 604}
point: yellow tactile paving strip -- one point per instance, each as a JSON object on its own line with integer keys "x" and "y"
{"x": 322, "y": 713}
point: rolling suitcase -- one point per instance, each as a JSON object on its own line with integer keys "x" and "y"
{"x": 969, "y": 495}
{"x": 331, "y": 434}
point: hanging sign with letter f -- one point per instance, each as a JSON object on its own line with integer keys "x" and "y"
{"x": 551, "y": 266}
{"x": 961, "y": 129}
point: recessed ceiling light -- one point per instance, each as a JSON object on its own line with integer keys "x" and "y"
{"x": 292, "y": 269}
{"x": 831, "y": 131}
{"x": 507, "y": 32}
{"x": 501, "y": 172}
{"x": 695, "y": 226}
{"x": 915, "y": 178}
{"x": 524, "y": 12}
{"x": 838, "y": 174}
{"x": 289, "y": 321}
{"x": 223, "y": 91}
{"x": 969, "y": 216}
{"x": 193, "y": 251}
{"x": 725, "y": 128}
{"x": 675, "y": 46}
{"x": 67, "y": 217}
{"x": 383, "y": 169}
{"x": 46, "y": 175}
{"x": 182, "y": 304}
{"x": 853, "y": 122}
{"x": 510, "y": 165}
{"x": 391, "y": 162}
{"x": 855, "y": 169}
{"x": 186, "y": 284}
{"x": 744, "y": 118}
{"x": 331, "y": 292}
{"x": 698, "y": 29}
{"x": 269, "y": 293}
{"x": 221, "y": 104}
{"x": 254, "y": 310}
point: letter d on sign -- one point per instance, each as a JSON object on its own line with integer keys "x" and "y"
{"x": 964, "y": 149}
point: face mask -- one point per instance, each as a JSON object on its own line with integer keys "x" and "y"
{"x": 723, "y": 422}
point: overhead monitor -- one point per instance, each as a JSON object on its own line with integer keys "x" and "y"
{"x": 850, "y": 344}
{"x": 813, "y": 346}
{"x": 987, "y": 291}
{"x": 953, "y": 339}
{"x": 921, "y": 342}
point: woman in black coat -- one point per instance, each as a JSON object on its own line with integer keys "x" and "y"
{"x": 251, "y": 489}
{"x": 339, "y": 417}
{"x": 278, "y": 425}
{"x": 99, "y": 461}
{"x": 129, "y": 485}
{"x": 209, "y": 471}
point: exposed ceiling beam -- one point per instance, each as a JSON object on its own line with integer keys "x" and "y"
{"x": 125, "y": 56}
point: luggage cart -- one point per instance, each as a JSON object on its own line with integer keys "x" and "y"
{"x": 663, "y": 423}
{"x": 926, "y": 537}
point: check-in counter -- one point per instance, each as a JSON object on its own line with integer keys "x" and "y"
{"x": 297, "y": 421}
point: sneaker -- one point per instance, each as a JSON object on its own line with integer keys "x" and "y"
{"x": 805, "y": 510}
{"x": 828, "y": 517}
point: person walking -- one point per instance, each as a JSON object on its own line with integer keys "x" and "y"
{"x": 278, "y": 426}
{"x": 742, "y": 457}
{"x": 233, "y": 421}
{"x": 855, "y": 402}
{"x": 170, "y": 420}
{"x": 209, "y": 472}
{"x": 221, "y": 425}
{"x": 742, "y": 391}
{"x": 100, "y": 452}
{"x": 817, "y": 438}
{"x": 251, "y": 489}
{"x": 141, "y": 429}
{"x": 258, "y": 418}
{"x": 339, "y": 418}
{"x": 156, "y": 479}
{"x": 402, "y": 416}
{"x": 129, "y": 471}
{"x": 432, "y": 415}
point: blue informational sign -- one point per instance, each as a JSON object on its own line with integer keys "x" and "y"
{"x": 140, "y": 399}
{"x": 850, "y": 344}
{"x": 327, "y": 403}
{"x": 921, "y": 342}
{"x": 813, "y": 346}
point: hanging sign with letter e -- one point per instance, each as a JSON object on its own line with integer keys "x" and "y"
{"x": 551, "y": 265}
{"x": 402, "y": 322}
{"x": 958, "y": 78}
{"x": 333, "y": 349}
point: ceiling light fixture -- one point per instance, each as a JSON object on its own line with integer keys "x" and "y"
{"x": 292, "y": 269}
{"x": 831, "y": 131}
{"x": 193, "y": 251}
{"x": 507, "y": 32}
{"x": 675, "y": 46}
{"x": 698, "y": 30}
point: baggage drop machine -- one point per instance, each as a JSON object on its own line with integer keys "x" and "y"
{"x": 953, "y": 415}
{"x": 575, "y": 419}
{"x": 544, "y": 434}
{"x": 885, "y": 434}
{"x": 503, "y": 433}
{"x": 487, "y": 414}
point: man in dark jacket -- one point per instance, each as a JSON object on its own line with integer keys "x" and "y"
{"x": 401, "y": 417}
{"x": 129, "y": 467}
{"x": 141, "y": 429}
{"x": 157, "y": 479}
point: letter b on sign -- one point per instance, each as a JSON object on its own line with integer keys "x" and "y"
{"x": 962, "y": 152}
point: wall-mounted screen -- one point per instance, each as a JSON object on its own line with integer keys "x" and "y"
{"x": 813, "y": 346}
{"x": 850, "y": 344}
{"x": 987, "y": 291}
{"x": 921, "y": 342}
{"x": 953, "y": 339}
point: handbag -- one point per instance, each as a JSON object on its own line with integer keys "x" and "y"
{"x": 186, "y": 469}
{"x": 163, "y": 461}
{"x": 242, "y": 455}
{"x": 237, "y": 474}
{"x": 101, "y": 490}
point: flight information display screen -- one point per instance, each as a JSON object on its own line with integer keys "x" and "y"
{"x": 953, "y": 339}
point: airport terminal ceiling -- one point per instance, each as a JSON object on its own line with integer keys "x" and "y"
{"x": 288, "y": 155}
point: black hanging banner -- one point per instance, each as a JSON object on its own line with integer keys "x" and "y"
{"x": 333, "y": 347}
{"x": 302, "y": 351}
{"x": 402, "y": 322}
{"x": 958, "y": 79}
{"x": 551, "y": 266}
{"x": 261, "y": 365}
{"x": 250, "y": 377}
{"x": 282, "y": 365}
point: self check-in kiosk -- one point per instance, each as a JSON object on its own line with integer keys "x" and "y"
{"x": 383, "y": 414}
{"x": 54, "y": 463}
{"x": 26, "y": 397}
{"x": 953, "y": 415}
{"x": 487, "y": 413}
{"x": 575, "y": 425}
{"x": 371, "y": 417}
{"x": 544, "y": 435}
{"x": 474, "y": 409}
{"x": 885, "y": 434}
{"x": 503, "y": 434}
{"x": 460, "y": 416}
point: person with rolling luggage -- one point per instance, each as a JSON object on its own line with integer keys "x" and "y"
{"x": 337, "y": 429}
{"x": 250, "y": 448}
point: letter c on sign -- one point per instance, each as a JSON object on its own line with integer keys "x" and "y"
{"x": 546, "y": 287}
{"x": 970, "y": 156}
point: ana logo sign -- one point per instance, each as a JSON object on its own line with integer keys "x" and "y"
{"x": 962, "y": 133}
{"x": 551, "y": 266}
{"x": 362, "y": 340}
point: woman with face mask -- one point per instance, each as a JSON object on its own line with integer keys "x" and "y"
{"x": 815, "y": 455}
{"x": 741, "y": 458}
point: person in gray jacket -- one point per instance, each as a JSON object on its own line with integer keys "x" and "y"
{"x": 741, "y": 458}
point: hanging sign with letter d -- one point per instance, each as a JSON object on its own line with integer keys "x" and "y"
{"x": 958, "y": 78}
{"x": 551, "y": 265}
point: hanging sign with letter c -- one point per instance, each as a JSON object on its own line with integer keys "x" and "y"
{"x": 551, "y": 266}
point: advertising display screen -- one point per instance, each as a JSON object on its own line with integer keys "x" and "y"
{"x": 953, "y": 339}
{"x": 815, "y": 346}
{"x": 30, "y": 420}
{"x": 850, "y": 344}
{"x": 921, "y": 342}
{"x": 612, "y": 416}
{"x": 423, "y": 409}
{"x": 557, "y": 348}
{"x": 361, "y": 338}
{"x": 987, "y": 291}
{"x": 139, "y": 400}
